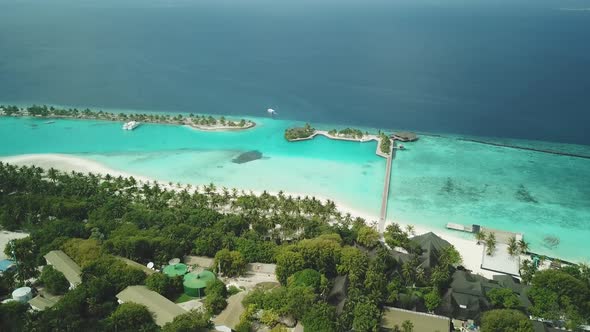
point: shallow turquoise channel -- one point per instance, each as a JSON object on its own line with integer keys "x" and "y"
{"x": 435, "y": 181}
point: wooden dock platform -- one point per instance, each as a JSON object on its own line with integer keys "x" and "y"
{"x": 501, "y": 236}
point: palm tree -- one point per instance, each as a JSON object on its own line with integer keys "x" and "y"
{"x": 408, "y": 273}
{"x": 491, "y": 244}
{"x": 512, "y": 246}
{"x": 420, "y": 275}
{"x": 411, "y": 230}
{"x": 52, "y": 173}
{"x": 408, "y": 326}
{"x": 480, "y": 237}
{"x": 523, "y": 246}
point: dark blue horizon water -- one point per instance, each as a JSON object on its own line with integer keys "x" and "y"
{"x": 518, "y": 69}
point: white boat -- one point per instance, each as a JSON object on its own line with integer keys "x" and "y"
{"x": 131, "y": 125}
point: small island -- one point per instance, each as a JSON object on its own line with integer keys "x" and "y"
{"x": 201, "y": 122}
{"x": 300, "y": 133}
{"x": 385, "y": 144}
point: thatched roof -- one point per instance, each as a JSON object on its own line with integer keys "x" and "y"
{"x": 466, "y": 298}
{"x": 430, "y": 240}
{"x": 405, "y": 136}
{"x": 432, "y": 245}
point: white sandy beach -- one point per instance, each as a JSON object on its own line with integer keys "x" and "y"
{"x": 65, "y": 163}
{"x": 469, "y": 249}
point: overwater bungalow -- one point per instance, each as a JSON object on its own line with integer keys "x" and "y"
{"x": 405, "y": 136}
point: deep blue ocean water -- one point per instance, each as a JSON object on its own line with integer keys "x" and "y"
{"x": 503, "y": 69}
{"x": 518, "y": 69}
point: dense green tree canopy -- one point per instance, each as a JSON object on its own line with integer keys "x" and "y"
{"x": 367, "y": 237}
{"x": 230, "y": 263}
{"x": 13, "y": 316}
{"x": 353, "y": 263}
{"x": 216, "y": 295}
{"x": 130, "y": 317}
{"x": 503, "y": 298}
{"x": 505, "y": 320}
{"x": 366, "y": 317}
{"x": 320, "y": 317}
{"x": 164, "y": 285}
{"x": 288, "y": 262}
{"x": 556, "y": 294}
{"x": 54, "y": 281}
{"x": 307, "y": 278}
{"x": 192, "y": 321}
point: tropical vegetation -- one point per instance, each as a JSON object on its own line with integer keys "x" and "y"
{"x": 299, "y": 132}
{"x": 385, "y": 145}
{"x": 97, "y": 220}
{"x": 195, "y": 120}
{"x": 348, "y": 132}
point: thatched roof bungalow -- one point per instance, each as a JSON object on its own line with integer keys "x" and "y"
{"x": 405, "y": 136}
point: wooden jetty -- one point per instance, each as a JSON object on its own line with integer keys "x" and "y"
{"x": 366, "y": 138}
{"x": 386, "y": 184}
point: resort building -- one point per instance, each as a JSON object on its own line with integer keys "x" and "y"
{"x": 393, "y": 317}
{"x": 521, "y": 290}
{"x": 432, "y": 246}
{"x": 501, "y": 261}
{"x": 163, "y": 310}
{"x": 229, "y": 318}
{"x": 42, "y": 302}
{"x": 466, "y": 297}
{"x": 64, "y": 264}
{"x": 405, "y": 136}
{"x": 195, "y": 283}
{"x": 136, "y": 265}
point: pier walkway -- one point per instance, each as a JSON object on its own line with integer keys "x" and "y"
{"x": 385, "y": 196}
{"x": 389, "y": 157}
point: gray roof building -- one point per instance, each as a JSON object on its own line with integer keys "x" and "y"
{"x": 421, "y": 321}
{"x": 466, "y": 296}
{"x": 64, "y": 264}
{"x": 432, "y": 246}
{"x": 163, "y": 310}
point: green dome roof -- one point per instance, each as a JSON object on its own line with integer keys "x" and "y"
{"x": 176, "y": 270}
{"x": 198, "y": 281}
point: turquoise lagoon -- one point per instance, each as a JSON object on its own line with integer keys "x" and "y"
{"x": 435, "y": 181}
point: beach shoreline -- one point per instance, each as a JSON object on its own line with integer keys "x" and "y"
{"x": 470, "y": 251}
{"x": 192, "y": 121}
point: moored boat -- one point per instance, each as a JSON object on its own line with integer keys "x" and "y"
{"x": 131, "y": 125}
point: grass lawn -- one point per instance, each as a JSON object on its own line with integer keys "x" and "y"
{"x": 185, "y": 298}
